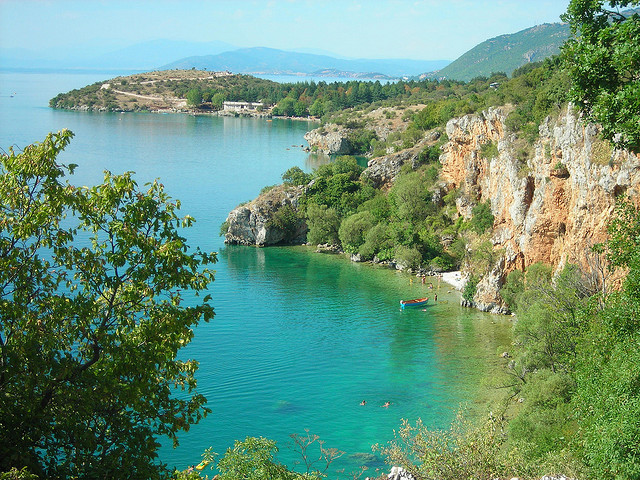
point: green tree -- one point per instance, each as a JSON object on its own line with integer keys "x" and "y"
{"x": 288, "y": 220}
{"x": 608, "y": 367}
{"x": 91, "y": 320}
{"x": 253, "y": 459}
{"x": 410, "y": 257}
{"x": 377, "y": 242}
{"x": 409, "y": 193}
{"x": 603, "y": 61}
{"x": 353, "y": 230}
{"x": 194, "y": 97}
{"x": 217, "y": 100}
{"x": 482, "y": 219}
{"x": 323, "y": 223}
{"x": 296, "y": 176}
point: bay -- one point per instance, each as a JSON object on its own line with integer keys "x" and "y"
{"x": 299, "y": 339}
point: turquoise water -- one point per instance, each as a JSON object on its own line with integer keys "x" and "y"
{"x": 299, "y": 339}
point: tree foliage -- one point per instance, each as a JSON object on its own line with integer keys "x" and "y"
{"x": 608, "y": 367}
{"x": 92, "y": 316}
{"x": 603, "y": 61}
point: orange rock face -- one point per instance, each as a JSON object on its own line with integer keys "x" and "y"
{"x": 551, "y": 201}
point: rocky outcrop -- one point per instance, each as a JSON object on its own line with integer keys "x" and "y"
{"x": 399, "y": 473}
{"x": 330, "y": 139}
{"x": 253, "y": 223}
{"x": 381, "y": 172}
{"x": 551, "y": 201}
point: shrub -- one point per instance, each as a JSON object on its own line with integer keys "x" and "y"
{"x": 482, "y": 219}
{"x": 360, "y": 140}
{"x": 470, "y": 288}
{"x": 266, "y": 189}
{"x": 410, "y": 257}
{"x": 353, "y": 230}
{"x": 295, "y": 176}
{"x": 463, "y": 451}
{"x": 512, "y": 288}
{"x": 489, "y": 150}
{"x": 377, "y": 240}
{"x": 287, "y": 220}
{"x": 323, "y": 223}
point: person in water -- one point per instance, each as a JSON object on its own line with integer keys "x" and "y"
{"x": 363, "y": 403}
{"x": 386, "y": 404}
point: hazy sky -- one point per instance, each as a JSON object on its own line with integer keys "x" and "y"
{"x": 417, "y": 29}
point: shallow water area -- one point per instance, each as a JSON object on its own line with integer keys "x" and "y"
{"x": 299, "y": 339}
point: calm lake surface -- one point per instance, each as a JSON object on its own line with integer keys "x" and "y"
{"x": 299, "y": 339}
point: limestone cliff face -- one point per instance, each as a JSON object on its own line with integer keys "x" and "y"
{"x": 251, "y": 224}
{"x": 550, "y": 204}
{"x": 330, "y": 139}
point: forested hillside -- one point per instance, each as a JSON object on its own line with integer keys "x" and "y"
{"x": 507, "y": 52}
{"x": 443, "y": 192}
{"x": 502, "y": 177}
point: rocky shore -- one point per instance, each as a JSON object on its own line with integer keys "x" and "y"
{"x": 549, "y": 207}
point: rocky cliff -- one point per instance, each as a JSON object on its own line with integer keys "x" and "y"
{"x": 254, "y": 223}
{"x": 330, "y": 139}
{"x": 551, "y": 200}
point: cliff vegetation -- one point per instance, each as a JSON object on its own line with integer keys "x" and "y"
{"x": 508, "y": 179}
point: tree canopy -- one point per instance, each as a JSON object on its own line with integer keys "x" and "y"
{"x": 92, "y": 315}
{"x": 604, "y": 64}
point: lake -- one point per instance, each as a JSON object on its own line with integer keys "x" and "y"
{"x": 299, "y": 339}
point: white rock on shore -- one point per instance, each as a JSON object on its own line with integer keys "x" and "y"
{"x": 455, "y": 279}
{"x": 399, "y": 473}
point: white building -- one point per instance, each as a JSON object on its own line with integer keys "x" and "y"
{"x": 242, "y": 106}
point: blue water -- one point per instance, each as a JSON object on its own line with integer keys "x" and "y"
{"x": 299, "y": 339}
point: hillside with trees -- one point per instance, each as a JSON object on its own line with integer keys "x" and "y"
{"x": 93, "y": 280}
{"x": 506, "y": 53}
{"x": 572, "y": 400}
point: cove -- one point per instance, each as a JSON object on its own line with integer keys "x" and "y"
{"x": 299, "y": 339}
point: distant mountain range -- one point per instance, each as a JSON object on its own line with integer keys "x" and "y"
{"x": 507, "y": 52}
{"x": 142, "y": 56}
{"x": 270, "y": 61}
{"x": 504, "y": 53}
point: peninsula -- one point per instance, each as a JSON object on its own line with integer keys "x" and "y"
{"x": 165, "y": 91}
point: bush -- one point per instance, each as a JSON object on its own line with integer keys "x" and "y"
{"x": 512, "y": 288}
{"x": 482, "y": 219}
{"x": 360, "y": 140}
{"x": 253, "y": 459}
{"x": 545, "y": 420}
{"x": 470, "y": 288}
{"x": 377, "y": 240}
{"x": 323, "y": 223}
{"x": 489, "y": 150}
{"x": 410, "y": 257}
{"x": 353, "y": 230}
{"x": 287, "y": 220}
{"x": 429, "y": 154}
{"x": 266, "y": 189}
{"x": 295, "y": 176}
{"x": 463, "y": 451}
{"x": 443, "y": 263}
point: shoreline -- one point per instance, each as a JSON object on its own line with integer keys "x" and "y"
{"x": 455, "y": 279}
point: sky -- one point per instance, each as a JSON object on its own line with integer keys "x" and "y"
{"x": 415, "y": 29}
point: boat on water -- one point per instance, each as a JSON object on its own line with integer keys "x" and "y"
{"x": 417, "y": 302}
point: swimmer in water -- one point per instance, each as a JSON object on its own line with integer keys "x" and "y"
{"x": 386, "y": 404}
{"x": 363, "y": 403}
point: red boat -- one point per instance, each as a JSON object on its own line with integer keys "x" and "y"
{"x": 418, "y": 302}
